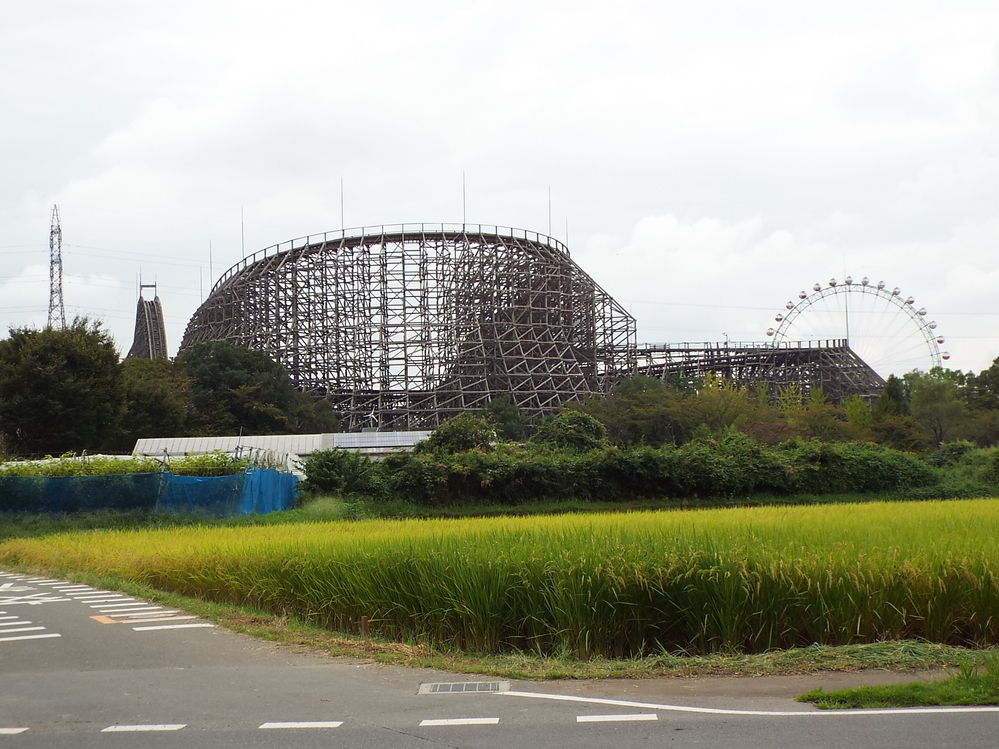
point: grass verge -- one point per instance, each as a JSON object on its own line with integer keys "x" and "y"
{"x": 301, "y": 636}
{"x": 973, "y": 683}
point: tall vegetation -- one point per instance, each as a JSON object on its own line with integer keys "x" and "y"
{"x": 60, "y": 390}
{"x": 233, "y": 388}
{"x": 747, "y": 580}
{"x": 569, "y": 460}
{"x": 67, "y": 391}
{"x": 915, "y": 413}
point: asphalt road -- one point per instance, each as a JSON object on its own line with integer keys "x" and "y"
{"x": 86, "y": 668}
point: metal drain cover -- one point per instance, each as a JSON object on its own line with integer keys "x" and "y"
{"x": 465, "y": 687}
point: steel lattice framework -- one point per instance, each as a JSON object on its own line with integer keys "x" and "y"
{"x": 57, "y": 308}
{"x": 404, "y": 326}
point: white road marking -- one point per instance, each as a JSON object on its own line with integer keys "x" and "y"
{"x": 139, "y": 620}
{"x": 139, "y": 613}
{"x": 172, "y": 626}
{"x": 11, "y": 731}
{"x": 33, "y": 600}
{"x": 114, "y": 604}
{"x": 7, "y": 617}
{"x": 11, "y": 624}
{"x": 56, "y": 582}
{"x": 615, "y": 718}
{"x": 305, "y": 724}
{"x": 64, "y": 588}
{"x": 98, "y": 599}
{"x": 147, "y": 727}
{"x": 28, "y": 637}
{"x": 460, "y": 722}
{"x": 804, "y": 713}
{"x": 126, "y": 607}
{"x": 24, "y": 629}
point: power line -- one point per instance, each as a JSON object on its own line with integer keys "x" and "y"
{"x": 127, "y": 253}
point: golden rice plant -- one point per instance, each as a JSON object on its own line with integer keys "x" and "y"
{"x": 750, "y": 579}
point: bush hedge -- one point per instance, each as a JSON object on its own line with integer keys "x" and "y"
{"x": 734, "y": 466}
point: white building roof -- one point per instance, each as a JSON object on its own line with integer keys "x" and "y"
{"x": 291, "y": 444}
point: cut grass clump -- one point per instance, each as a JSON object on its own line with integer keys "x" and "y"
{"x": 971, "y": 684}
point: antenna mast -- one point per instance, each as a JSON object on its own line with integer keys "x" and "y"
{"x": 57, "y": 309}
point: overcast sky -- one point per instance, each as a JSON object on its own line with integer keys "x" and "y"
{"x": 707, "y": 160}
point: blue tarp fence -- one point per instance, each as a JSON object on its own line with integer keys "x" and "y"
{"x": 257, "y": 491}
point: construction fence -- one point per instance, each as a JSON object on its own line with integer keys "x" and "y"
{"x": 253, "y": 492}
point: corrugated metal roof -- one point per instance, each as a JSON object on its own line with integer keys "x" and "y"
{"x": 293, "y": 444}
{"x": 361, "y": 440}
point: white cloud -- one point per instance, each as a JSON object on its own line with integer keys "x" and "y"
{"x": 698, "y": 280}
{"x": 720, "y": 154}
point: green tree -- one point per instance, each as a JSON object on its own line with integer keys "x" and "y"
{"x": 235, "y": 388}
{"x": 894, "y": 399}
{"x": 935, "y": 402}
{"x": 821, "y": 419}
{"x": 314, "y": 416}
{"x": 157, "y": 400}
{"x": 859, "y": 419}
{"x": 722, "y": 403}
{"x": 60, "y": 390}
{"x": 981, "y": 391}
{"x": 507, "y": 418}
{"x": 642, "y": 410}
{"x": 982, "y": 428}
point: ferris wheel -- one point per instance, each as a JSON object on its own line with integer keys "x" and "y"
{"x": 882, "y": 326}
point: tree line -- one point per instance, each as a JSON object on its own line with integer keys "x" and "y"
{"x": 68, "y": 390}
{"x": 916, "y": 412}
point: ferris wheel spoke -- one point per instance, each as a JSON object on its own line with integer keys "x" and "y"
{"x": 881, "y": 325}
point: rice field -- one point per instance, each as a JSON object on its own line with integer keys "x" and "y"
{"x": 750, "y": 580}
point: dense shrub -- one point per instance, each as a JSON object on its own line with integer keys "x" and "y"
{"x": 572, "y": 430}
{"x": 992, "y": 472}
{"x": 951, "y": 453}
{"x": 464, "y": 432}
{"x": 836, "y": 467}
{"x": 733, "y": 466}
{"x": 338, "y": 471}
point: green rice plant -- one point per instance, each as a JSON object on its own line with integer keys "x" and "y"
{"x": 739, "y": 580}
{"x": 208, "y": 464}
